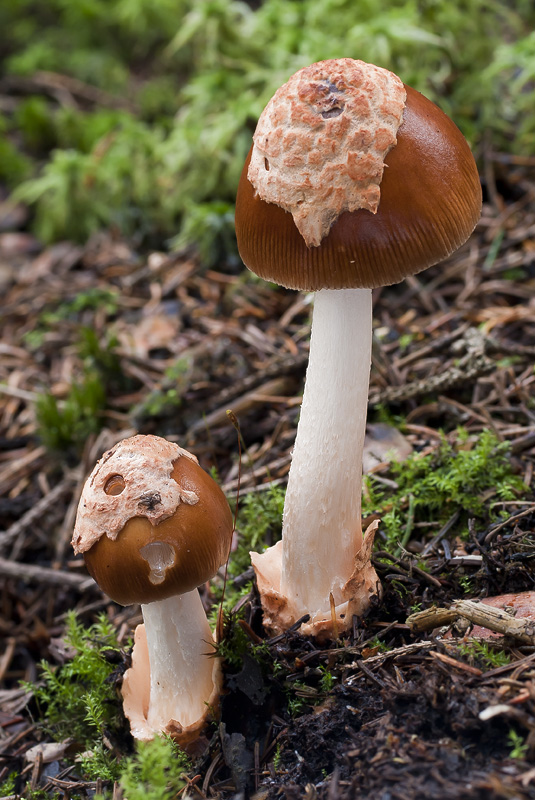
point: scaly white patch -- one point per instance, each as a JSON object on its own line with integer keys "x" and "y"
{"x": 141, "y": 467}
{"x": 321, "y": 141}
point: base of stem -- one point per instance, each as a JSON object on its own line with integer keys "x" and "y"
{"x": 358, "y": 594}
{"x": 136, "y": 699}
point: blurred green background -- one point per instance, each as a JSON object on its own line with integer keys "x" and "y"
{"x": 138, "y": 114}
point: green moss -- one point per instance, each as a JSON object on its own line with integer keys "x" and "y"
{"x": 235, "y": 642}
{"x": 78, "y": 701}
{"x": 378, "y": 644}
{"x": 157, "y": 771}
{"x": 259, "y": 524}
{"x": 484, "y": 653}
{"x": 327, "y": 680}
{"x": 461, "y": 475}
{"x": 518, "y": 744}
{"x": 14, "y": 165}
{"x": 192, "y": 76}
{"x": 7, "y": 787}
{"x": 64, "y": 426}
{"x": 167, "y": 397}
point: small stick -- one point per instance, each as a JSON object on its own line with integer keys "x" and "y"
{"x": 333, "y": 616}
{"x": 36, "y": 512}
{"x": 256, "y": 764}
{"x": 246, "y": 628}
{"x": 452, "y": 662}
{"x": 493, "y": 531}
{"x": 36, "y": 772}
{"x": 494, "y": 619}
{"x": 497, "y": 620}
{"x": 430, "y": 618}
{"x": 398, "y": 652}
{"x": 441, "y": 534}
{"x": 271, "y": 391}
{"x": 9, "y": 652}
{"x": 46, "y": 575}
{"x": 409, "y": 526}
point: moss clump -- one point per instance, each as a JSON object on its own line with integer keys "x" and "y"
{"x": 461, "y": 475}
{"x": 259, "y": 524}
{"x": 167, "y": 91}
{"x": 78, "y": 701}
{"x": 157, "y": 771}
{"x": 487, "y": 654}
{"x": 64, "y": 426}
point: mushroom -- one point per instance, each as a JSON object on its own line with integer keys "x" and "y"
{"x": 152, "y": 526}
{"x": 354, "y": 181}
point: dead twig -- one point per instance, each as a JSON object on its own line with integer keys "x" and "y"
{"x": 396, "y": 653}
{"x": 497, "y": 528}
{"x": 453, "y": 662}
{"x": 46, "y": 575}
{"x": 35, "y": 513}
{"x": 431, "y": 618}
{"x": 274, "y": 391}
{"x": 494, "y": 619}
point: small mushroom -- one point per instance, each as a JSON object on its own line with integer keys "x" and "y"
{"x": 152, "y": 526}
{"x": 354, "y": 181}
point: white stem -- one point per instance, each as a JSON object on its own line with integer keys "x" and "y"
{"x": 322, "y": 513}
{"x": 179, "y": 644}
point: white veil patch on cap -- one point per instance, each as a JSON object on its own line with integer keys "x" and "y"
{"x": 321, "y": 141}
{"x": 141, "y": 468}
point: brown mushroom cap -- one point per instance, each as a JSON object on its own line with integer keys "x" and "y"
{"x": 430, "y": 202}
{"x": 190, "y": 544}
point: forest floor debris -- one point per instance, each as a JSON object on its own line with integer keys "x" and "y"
{"x": 100, "y": 341}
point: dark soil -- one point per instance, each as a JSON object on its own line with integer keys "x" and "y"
{"x": 403, "y": 716}
{"x": 399, "y": 723}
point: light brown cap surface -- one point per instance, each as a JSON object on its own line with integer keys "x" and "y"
{"x": 430, "y": 201}
{"x": 151, "y": 522}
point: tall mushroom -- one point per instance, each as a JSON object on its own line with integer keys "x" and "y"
{"x": 354, "y": 180}
{"x": 152, "y": 526}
